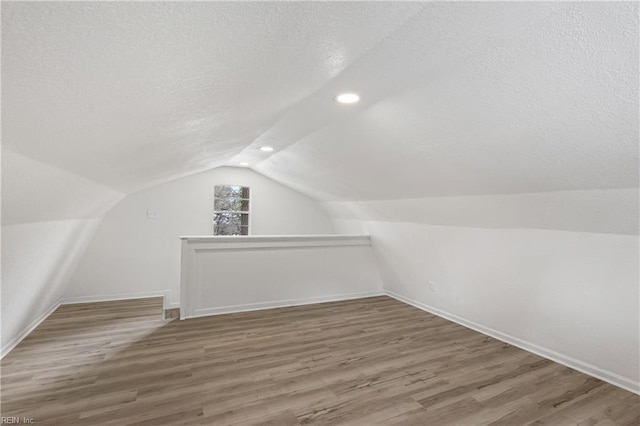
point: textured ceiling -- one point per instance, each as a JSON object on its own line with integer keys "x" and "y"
{"x": 457, "y": 98}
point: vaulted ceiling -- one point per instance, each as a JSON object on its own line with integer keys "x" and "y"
{"x": 456, "y": 98}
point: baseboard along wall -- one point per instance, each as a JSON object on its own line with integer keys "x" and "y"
{"x": 592, "y": 370}
{"x": 35, "y": 323}
{"x": 166, "y": 297}
{"x": 283, "y": 303}
{"x": 583, "y": 367}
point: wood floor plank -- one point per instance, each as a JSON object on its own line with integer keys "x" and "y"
{"x": 358, "y": 362}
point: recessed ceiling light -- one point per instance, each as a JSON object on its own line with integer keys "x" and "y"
{"x": 244, "y": 164}
{"x": 266, "y": 148}
{"x": 348, "y": 98}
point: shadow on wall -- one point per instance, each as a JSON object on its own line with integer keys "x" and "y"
{"x": 37, "y": 261}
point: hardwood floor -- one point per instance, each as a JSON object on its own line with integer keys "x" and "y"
{"x": 360, "y": 362}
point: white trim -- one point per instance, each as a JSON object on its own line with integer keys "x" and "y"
{"x": 214, "y": 238}
{"x": 270, "y": 242}
{"x": 166, "y": 297}
{"x": 567, "y": 361}
{"x": 282, "y": 303}
{"x": 192, "y": 246}
{"x": 35, "y": 323}
{"x": 86, "y": 299}
{"x": 248, "y": 212}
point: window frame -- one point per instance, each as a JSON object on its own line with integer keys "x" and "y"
{"x": 247, "y": 212}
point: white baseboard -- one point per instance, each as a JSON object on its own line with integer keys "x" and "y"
{"x": 592, "y": 370}
{"x": 166, "y": 297}
{"x": 282, "y": 303}
{"x": 19, "y": 338}
{"x": 583, "y": 367}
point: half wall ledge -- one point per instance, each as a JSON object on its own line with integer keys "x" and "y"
{"x": 225, "y": 274}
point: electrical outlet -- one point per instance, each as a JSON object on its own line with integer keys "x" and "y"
{"x": 153, "y": 214}
{"x": 432, "y": 285}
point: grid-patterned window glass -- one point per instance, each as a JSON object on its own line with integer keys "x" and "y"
{"x": 231, "y": 210}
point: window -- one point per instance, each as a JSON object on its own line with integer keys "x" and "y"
{"x": 231, "y": 210}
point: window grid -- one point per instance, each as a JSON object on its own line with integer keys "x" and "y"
{"x": 231, "y": 210}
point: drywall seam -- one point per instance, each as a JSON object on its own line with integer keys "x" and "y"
{"x": 35, "y": 323}
{"x": 165, "y": 294}
{"x": 586, "y": 368}
{"x": 283, "y": 303}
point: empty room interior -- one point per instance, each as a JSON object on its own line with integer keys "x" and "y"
{"x": 332, "y": 213}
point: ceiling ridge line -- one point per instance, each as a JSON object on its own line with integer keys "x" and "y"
{"x": 357, "y": 59}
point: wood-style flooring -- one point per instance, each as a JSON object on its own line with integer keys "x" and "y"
{"x": 359, "y": 362}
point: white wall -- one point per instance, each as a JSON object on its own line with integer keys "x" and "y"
{"x": 571, "y": 296}
{"x": 134, "y": 256}
{"x": 245, "y": 273}
{"x": 37, "y": 262}
{"x": 48, "y": 217}
{"x": 611, "y": 211}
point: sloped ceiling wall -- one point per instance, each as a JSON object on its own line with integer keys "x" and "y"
{"x": 457, "y": 98}
{"x": 472, "y": 114}
{"x": 130, "y": 94}
{"x": 49, "y": 216}
{"x": 34, "y": 191}
{"x": 476, "y": 98}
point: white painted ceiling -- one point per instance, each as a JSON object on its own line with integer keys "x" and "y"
{"x": 457, "y": 98}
